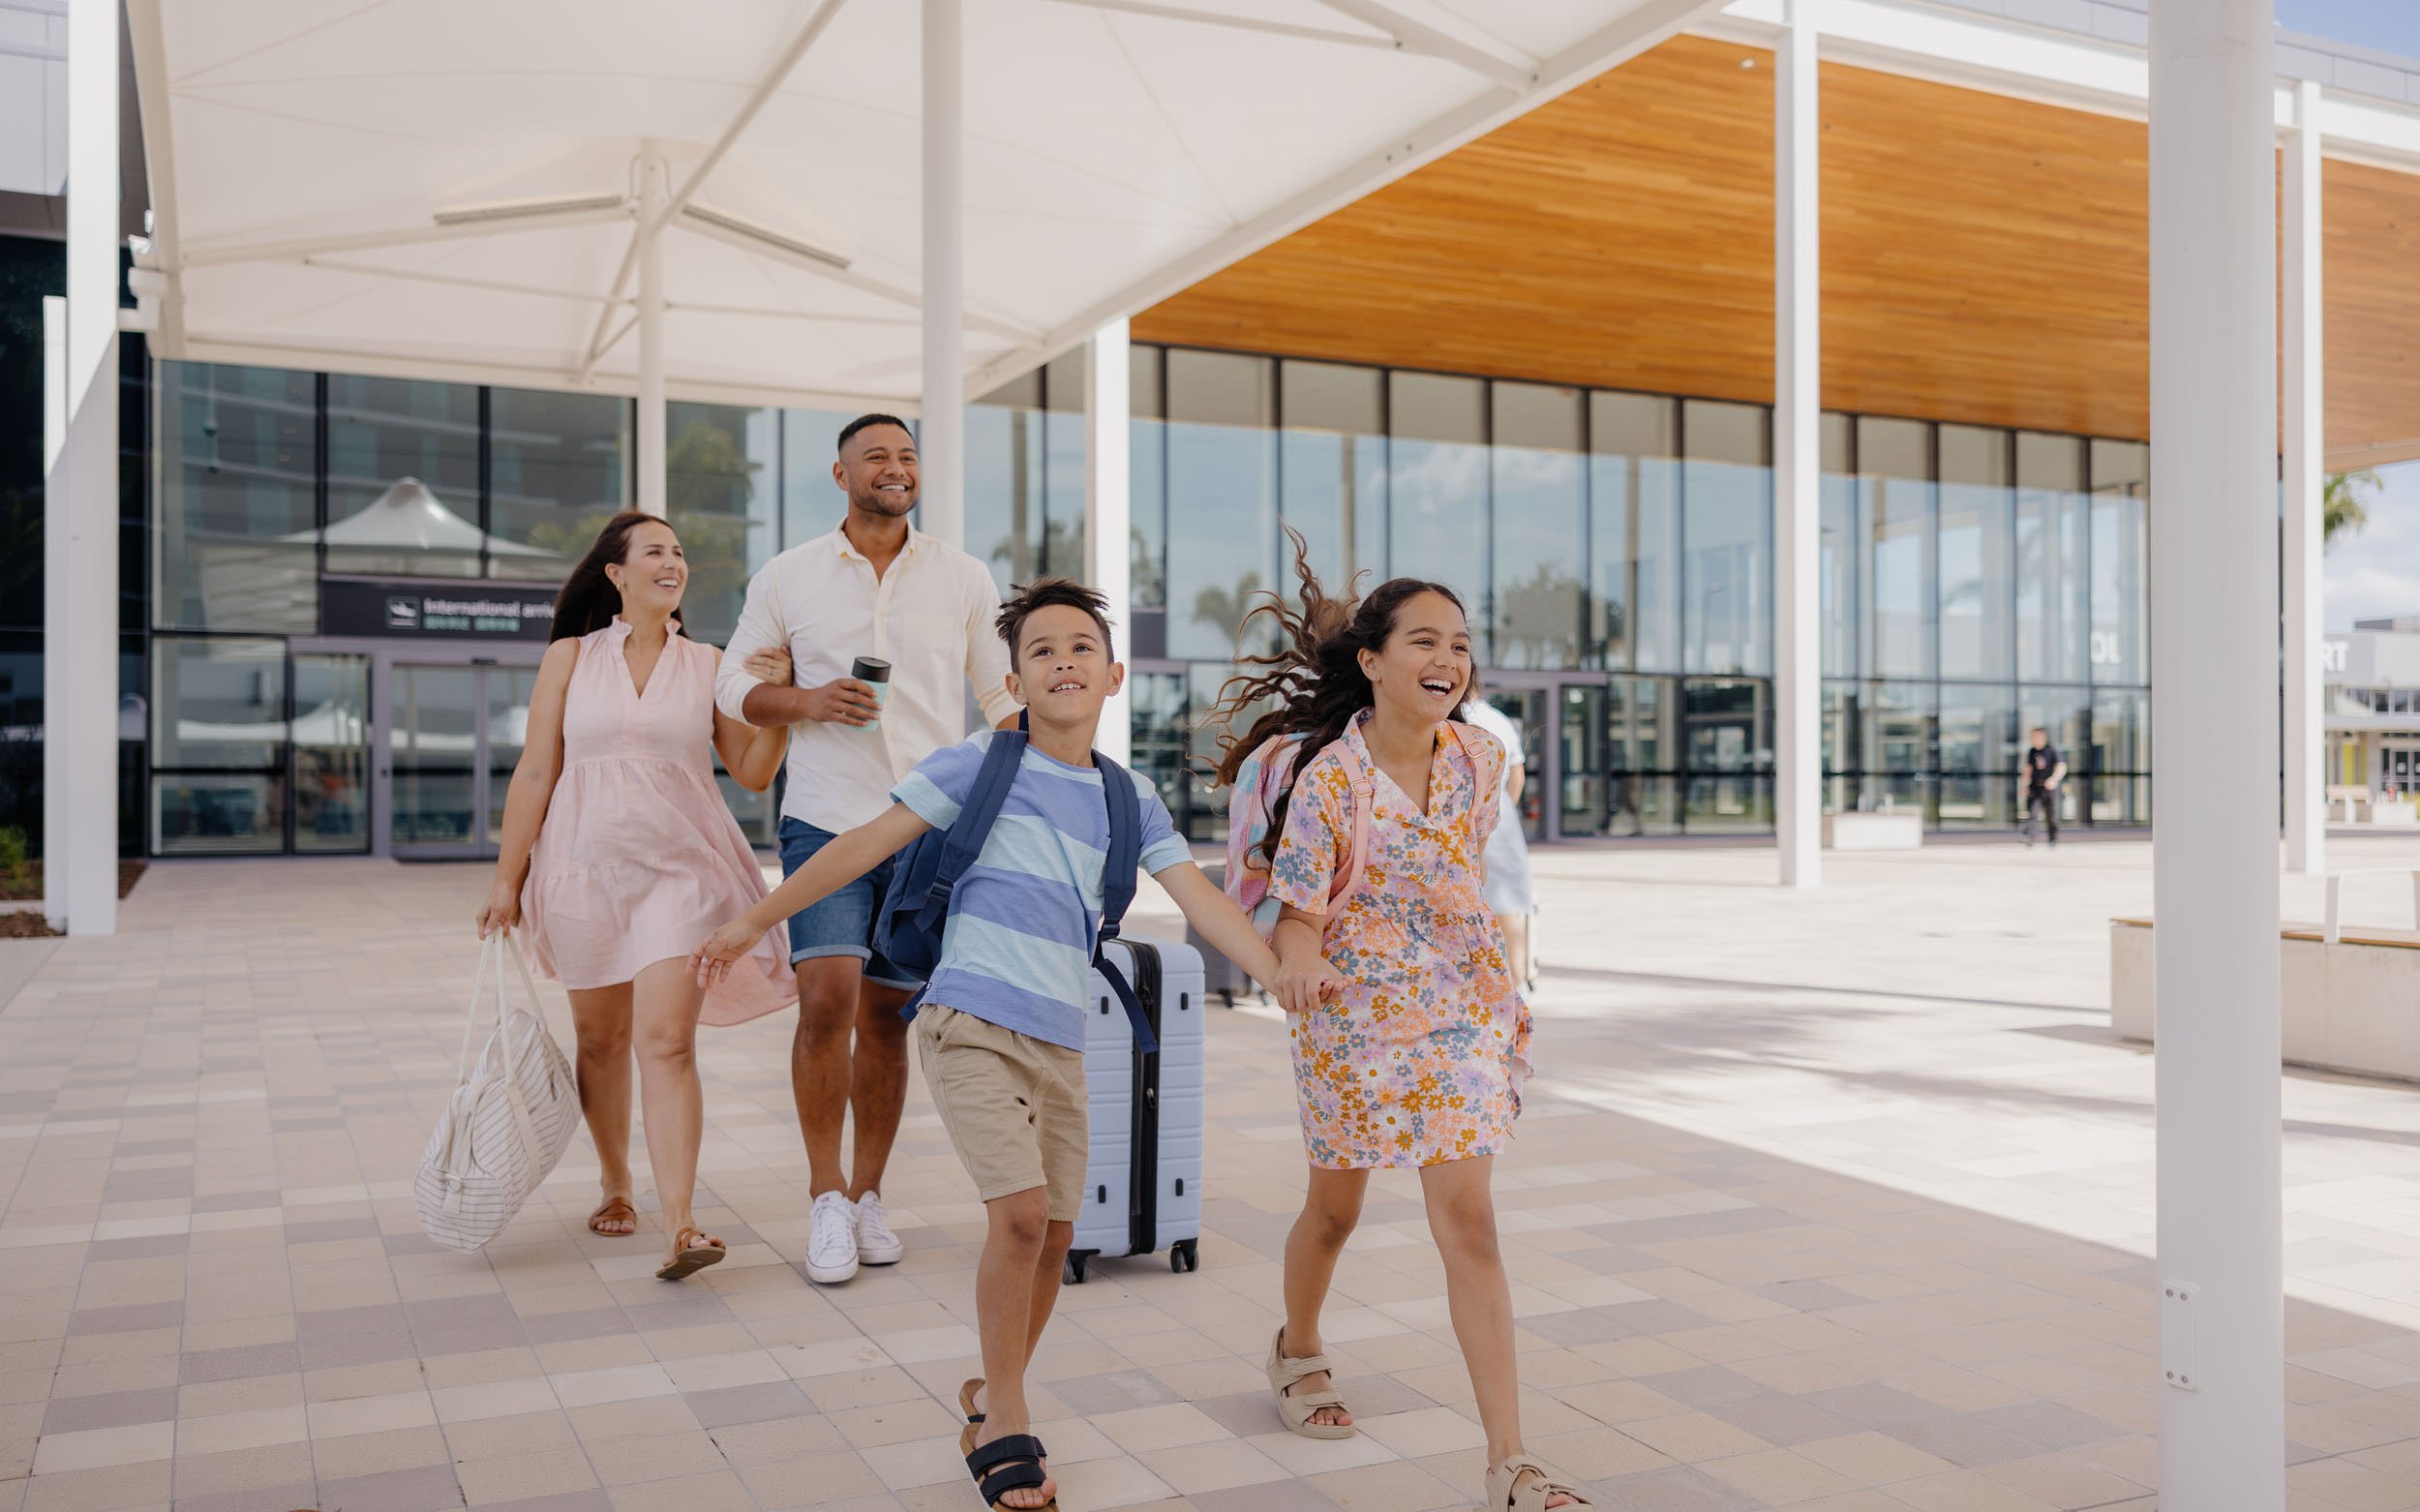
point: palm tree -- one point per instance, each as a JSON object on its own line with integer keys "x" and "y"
{"x": 2341, "y": 505}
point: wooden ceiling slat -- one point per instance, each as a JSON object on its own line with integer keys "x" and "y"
{"x": 1984, "y": 258}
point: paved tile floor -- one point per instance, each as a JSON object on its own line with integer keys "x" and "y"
{"x": 1834, "y": 1200}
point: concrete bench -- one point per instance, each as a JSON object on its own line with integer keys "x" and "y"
{"x": 2348, "y": 996}
{"x": 1863, "y": 830}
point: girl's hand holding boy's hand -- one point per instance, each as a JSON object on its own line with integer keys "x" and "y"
{"x": 712, "y": 960}
{"x": 1304, "y": 980}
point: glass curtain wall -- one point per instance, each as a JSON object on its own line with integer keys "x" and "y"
{"x": 1615, "y": 550}
{"x": 2120, "y": 649}
{"x": 1332, "y": 467}
{"x": 263, "y": 480}
{"x": 1539, "y": 468}
{"x": 237, "y": 466}
{"x": 1437, "y": 488}
{"x": 1634, "y": 530}
{"x": 1221, "y": 491}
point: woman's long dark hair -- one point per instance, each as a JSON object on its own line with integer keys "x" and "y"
{"x": 1314, "y": 676}
{"x": 589, "y": 601}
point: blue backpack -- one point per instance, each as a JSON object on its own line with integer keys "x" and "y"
{"x": 916, "y": 908}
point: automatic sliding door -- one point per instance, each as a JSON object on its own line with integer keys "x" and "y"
{"x": 1585, "y": 771}
{"x": 331, "y": 754}
{"x": 433, "y": 723}
{"x": 508, "y": 693}
{"x": 1528, "y": 709}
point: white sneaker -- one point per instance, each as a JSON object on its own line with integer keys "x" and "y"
{"x": 832, "y": 1240}
{"x": 876, "y": 1243}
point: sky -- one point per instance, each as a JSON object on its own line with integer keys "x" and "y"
{"x": 2376, "y": 574}
{"x": 2387, "y": 26}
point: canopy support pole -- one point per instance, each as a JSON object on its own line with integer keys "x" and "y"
{"x": 82, "y": 711}
{"x": 1109, "y": 511}
{"x": 57, "y": 632}
{"x": 2305, "y": 448}
{"x": 941, "y": 442}
{"x": 651, "y": 232}
{"x": 1797, "y": 459}
{"x": 2214, "y": 659}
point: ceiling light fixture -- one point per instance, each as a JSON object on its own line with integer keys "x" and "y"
{"x": 529, "y": 209}
{"x": 723, "y": 221}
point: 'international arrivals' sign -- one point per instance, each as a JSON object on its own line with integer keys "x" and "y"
{"x": 392, "y": 607}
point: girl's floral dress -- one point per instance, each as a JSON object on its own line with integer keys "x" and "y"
{"x": 1423, "y": 1057}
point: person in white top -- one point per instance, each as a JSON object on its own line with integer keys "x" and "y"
{"x": 1506, "y": 890}
{"x": 875, "y": 588}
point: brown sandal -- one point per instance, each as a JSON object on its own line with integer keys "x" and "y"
{"x": 689, "y": 1259}
{"x": 614, "y": 1210}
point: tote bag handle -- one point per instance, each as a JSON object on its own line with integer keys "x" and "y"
{"x": 492, "y": 951}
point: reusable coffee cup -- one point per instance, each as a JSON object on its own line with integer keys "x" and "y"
{"x": 874, "y": 671}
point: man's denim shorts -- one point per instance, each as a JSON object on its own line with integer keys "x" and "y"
{"x": 843, "y": 922}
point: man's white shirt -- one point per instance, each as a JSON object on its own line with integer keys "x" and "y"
{"x": 929, "y": 616}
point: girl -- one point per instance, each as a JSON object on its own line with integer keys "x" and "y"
{"x": 619, "y": 853}
{"x": 1420, "y": 1060}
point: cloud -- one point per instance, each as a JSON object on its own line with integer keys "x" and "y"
{"x": 2376, "y": 574}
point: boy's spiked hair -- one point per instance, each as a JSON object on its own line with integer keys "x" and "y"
{"x": 1042, "y": 593}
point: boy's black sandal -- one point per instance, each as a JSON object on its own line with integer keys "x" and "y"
{"x": 1014, "y": 1463}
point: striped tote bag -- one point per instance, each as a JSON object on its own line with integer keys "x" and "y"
{"x": 512, "y": 1112}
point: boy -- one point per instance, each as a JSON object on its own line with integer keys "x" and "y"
{"x": 1001, "y": 1031}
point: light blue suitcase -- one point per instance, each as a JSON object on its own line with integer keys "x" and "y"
{"x": 1142, "y": 1184}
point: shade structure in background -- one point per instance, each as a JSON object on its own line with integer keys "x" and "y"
{"x": 452, "y": 189}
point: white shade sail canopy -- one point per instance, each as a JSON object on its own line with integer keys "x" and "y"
{"x": 409, "y": 518}
{"x": 450, "y": 189}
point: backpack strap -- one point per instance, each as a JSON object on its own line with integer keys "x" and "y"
{"x": 972, "y": 826}
{"x": 1118, "y": 880}
{"x": 1365, "y": 801}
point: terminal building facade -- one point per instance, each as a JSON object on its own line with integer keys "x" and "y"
{"x": 1537, "y": 371}
{"x": 315, "y": 539}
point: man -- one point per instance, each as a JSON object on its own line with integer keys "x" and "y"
{"x": 876, "y": 587}
{"x": 2044, "y": 770}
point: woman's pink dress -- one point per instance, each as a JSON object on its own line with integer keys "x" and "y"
{"x": 639, "y": 859}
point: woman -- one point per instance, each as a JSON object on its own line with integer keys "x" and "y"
{"x": 620, "y": 854}
{"x": 1419, "y": 1061}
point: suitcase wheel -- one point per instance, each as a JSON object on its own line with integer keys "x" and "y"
{"x": 1185, "y": 1256}
{"x": 1076, "y": 1260}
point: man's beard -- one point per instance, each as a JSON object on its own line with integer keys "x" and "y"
{"x": 892, "y": 506}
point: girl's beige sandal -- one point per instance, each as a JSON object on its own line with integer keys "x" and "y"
{"x": 1297, "y": 1410}
{"x": 1507, "y": 1492}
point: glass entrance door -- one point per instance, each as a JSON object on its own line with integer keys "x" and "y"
{"x": 436, "y": 730}
{"x": 1529, "y": 709}
{"x": 2398, "y": 769}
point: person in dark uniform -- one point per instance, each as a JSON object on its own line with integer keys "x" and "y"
{"x": 2045, "y": 769}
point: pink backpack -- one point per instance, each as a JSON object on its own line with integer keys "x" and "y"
{"x": 1250, "y": 803}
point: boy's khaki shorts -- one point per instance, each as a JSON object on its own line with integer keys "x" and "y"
{"x": 1014, "y": 1107}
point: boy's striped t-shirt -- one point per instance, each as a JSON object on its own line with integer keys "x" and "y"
{"x": 1017, "y": 949}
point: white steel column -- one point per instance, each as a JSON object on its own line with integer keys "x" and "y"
{"x": 941, "y": 439}
{"x": 1797, "y": 483}
{"x": 2214, "y": 601}
{"x": 1109, "y": 509}
{"x": 2305, "y": 449}
{"x": 56, "y": 634}
{"x": 653, "y": 194}
{"x": 84, "y": 709}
